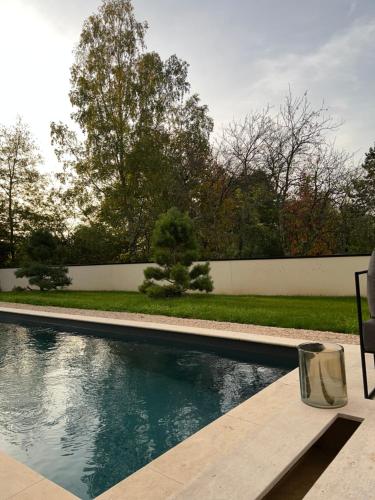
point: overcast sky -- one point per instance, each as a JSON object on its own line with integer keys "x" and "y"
{"x": 243, "y": 54}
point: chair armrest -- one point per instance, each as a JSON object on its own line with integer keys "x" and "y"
{"x": 358, "y": 297}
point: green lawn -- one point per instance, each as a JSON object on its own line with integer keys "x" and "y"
{"x": 336, "y": 314}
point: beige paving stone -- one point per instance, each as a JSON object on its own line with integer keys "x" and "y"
{"x": 258, "y": 462}
{"x": 146, "y": 484}
{"x": 351, "y": 476}
{"x": 184, "y": 462}
{"x": 267, "y": 404}
{"x": 15, "y": 477}
{"x": 44, "y": 490}
{"x": 290, "y": 378}
{"x": 255, "y": 465}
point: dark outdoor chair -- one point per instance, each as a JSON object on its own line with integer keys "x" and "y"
{"x": 366, "y": 328}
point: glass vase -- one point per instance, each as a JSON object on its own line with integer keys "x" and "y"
{"x": 322, "y": 375}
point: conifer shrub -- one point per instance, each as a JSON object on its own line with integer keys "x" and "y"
{"x": 38, "y": 267}
{"x": 174, "y": 248}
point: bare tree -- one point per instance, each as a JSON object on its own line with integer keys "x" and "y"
{"x": 289, "y": 146}
{"x": 242, "y": 143}
{"x": 298, "y": 131}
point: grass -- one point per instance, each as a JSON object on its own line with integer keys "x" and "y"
{"x": 336, "y": 314}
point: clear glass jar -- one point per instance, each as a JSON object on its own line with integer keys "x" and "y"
{"x": 322, "y": 375}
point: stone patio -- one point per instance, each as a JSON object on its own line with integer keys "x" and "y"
{"x": 242, "y": 454}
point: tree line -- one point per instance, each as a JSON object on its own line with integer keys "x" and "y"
{"x": 271, "y": 184}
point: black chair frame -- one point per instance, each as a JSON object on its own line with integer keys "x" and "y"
{"x": 368, "y": 395}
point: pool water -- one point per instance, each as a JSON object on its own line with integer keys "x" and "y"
{"x": 88, "y": 411}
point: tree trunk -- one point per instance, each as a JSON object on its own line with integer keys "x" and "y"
{"x": 11, "y": 226}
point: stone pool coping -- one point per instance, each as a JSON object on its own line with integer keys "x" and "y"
{"x": 242, "y": 454}
{"x": 274, "y": 331}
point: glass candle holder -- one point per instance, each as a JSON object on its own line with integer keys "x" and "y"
{"x": 322, "y": 375}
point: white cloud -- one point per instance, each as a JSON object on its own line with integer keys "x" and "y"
{"x": 339, "y": 72}
{"x": 229, "y": 69}
{"x": 352, "y": 8}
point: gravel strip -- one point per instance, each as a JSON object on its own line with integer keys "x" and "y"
{"x": 313, "y": 335}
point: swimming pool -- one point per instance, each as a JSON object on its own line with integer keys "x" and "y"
{"x": 86, "y": 411}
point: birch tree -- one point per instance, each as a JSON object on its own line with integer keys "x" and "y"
{"x": 138, "y": 123}
{"x": 19, "y": 181}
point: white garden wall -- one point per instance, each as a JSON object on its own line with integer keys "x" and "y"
{"x": 300, "y": 276}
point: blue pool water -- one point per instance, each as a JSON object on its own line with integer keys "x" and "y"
{"x": 88, "y": 411}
